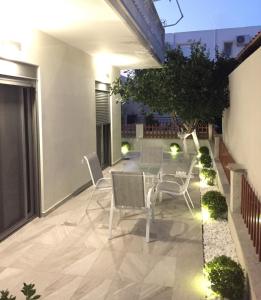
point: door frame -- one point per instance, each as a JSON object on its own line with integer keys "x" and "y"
{"x": 26, "y": 75}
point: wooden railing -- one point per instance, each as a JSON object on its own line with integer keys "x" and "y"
{"x": 250, "y": 210}
{"x": 225, "y": 158}
{"x": 128, "y": 131}
{"x": 162, "y": 131}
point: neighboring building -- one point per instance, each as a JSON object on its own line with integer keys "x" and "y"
{"x": 57, "y": 60}
{"x": 229, "y": 41}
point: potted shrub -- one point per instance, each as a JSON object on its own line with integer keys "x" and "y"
{"x": 203, "y": 150}
{"x": 215, "y": 203}
{"x": 226, "y": 277}
{"x": 174, "y": 148}
{"x": 205, "y": 160}
{"x": 209, "y": 175}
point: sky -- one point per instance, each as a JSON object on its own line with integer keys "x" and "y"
{"x": 209, "y": 14}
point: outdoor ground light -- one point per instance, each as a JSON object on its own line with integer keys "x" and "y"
{"x": 205, "y": 214}
{"x": 174, "y": 148}
{"x": 125, "y": 148}
{"x": 203, "y": 285}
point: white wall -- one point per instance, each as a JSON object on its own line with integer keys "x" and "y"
{"x": 212, "y": 38}
{"x": 242, "y": 121}
{"x": 67, "y": 113}
{"x": 115, "y": 123}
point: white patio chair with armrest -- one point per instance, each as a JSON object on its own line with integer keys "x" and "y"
{"x": 151, "y": 157}
{"x": 129, "y": 192}
{"x": 174, "y": 188}
{"x": 99, "y": 182}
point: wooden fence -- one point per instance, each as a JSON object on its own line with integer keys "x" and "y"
{"x": 128, "y": 131}
{"x": 162, "y": 131}
{"x": 225, "y": 158}
{"x": 250, "y": 210}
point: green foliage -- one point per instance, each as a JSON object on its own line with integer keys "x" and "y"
{"x": 126, "y": 144}
{"x": 203, "y": 150}
{"x": 28, "y": 290}
{"x": 5, "y": 295}
{"x": 226, "y": 277}
{"x": 175, "y": 146}
{"x": 216, "y": 204}
{"x": 193, "y": 88}
{"x": 209, "y": 175}
{"x": 150, "y": 120}
{"x": 206, "y": 160}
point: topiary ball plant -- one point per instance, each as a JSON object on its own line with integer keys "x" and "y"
{"x": 125, "y": 147}
{"x": 203, "y": 150}
{"x": 174, "y": 148}
{"x": 206, "y": 161}
{"x": 216, "y": 204}
{"x": 226, "y": 277}
{"x": 209, "y": 175}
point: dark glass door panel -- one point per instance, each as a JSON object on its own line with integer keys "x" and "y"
{"x": 103, "y": 138}
{"x": 16, "y": 188}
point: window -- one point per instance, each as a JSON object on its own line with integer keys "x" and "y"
{"x": 228, "y": 49}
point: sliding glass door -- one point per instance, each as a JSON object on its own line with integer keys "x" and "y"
{"x": 18, "y": 164}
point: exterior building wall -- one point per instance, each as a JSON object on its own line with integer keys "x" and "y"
{"x": 66, "y": 106}
{"x": 241, "y": 122}
{"x": 115, "y": 123}
{"x": 212, "y": 38}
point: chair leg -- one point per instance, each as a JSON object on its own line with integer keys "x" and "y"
{"x": 190, "y": 199}
{"x": 184, "y": 195}
{"x": 110, "y": 220}
{"x": 148, "y": 226}
{"x": 152, "y": 214}
{"x": 90, "y": 199}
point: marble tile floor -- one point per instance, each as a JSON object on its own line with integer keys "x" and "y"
{"x": 68, "y": 256}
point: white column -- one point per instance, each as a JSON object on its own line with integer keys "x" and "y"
{"x": 216, "y": 147}
{"x": 139, "y": 136}
{"x": 139, "y": 131}
{"x": 236, "y": 172}
{"x": 210, "y": 132}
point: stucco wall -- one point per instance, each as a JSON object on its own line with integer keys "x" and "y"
{"x": 242, "y": 121}
{"x": 115, "y": 123}
{"x": 67, "y": 113}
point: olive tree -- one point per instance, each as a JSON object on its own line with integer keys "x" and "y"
{"x": 190, "y": 89}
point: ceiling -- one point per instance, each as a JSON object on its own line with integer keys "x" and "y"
{"x": 90, "y": 25}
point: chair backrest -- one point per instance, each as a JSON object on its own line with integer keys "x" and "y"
{"x": 94, "y": 167}
{"x": 128, "y": 189}
{"x": 151, "y": 155}
{"x": 192, "y": 165}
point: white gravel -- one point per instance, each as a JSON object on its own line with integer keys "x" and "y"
{"x": 217, "y": 238}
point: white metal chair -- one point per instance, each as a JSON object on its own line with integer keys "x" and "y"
{"x": 151, "y": 157}
{"x": 174, "y": 188}
{"x": 129, "y": 192}
{"x": 99, "y": 182}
